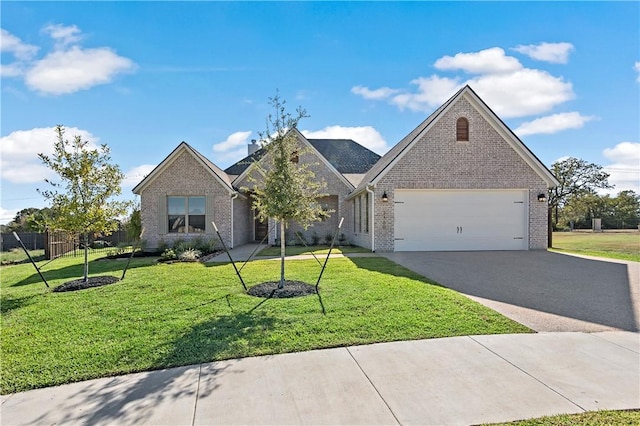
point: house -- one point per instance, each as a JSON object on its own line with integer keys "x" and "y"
{"x": 186, "y": 192}
{"x": 461, "y": 180}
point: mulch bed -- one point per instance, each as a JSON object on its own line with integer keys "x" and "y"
{"x": 128, "y": 255}
{"x": 81, "y": 284}
{"x": 290, "y": 289}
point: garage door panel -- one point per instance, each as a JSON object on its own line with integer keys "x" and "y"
{"x": 460, "y": 220}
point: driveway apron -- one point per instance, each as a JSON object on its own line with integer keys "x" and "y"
{"x": 543, "y": 290}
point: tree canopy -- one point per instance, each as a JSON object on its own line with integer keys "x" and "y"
{"x": 577, "y": 177}
{"x": 82, "y": 197}
{"x": 287, "y": 189}
{"x": 31, "y": 219}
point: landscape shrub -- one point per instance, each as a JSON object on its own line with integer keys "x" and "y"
{"x": 168, "y": 254}
{"x": 315, "y": 238}
{"x": 190, "y": 255}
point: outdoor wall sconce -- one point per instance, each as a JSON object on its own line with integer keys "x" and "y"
{"x": 542, "y": 198}
{"x": 384, "y": 197}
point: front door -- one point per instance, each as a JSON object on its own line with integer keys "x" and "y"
{"x": 260, "y": 228}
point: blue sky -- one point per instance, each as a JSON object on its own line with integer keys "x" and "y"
{"x": 144, "y": 76}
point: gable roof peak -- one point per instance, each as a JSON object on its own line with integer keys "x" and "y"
{"x": 402, "y": 147}
{"x": 215, "y": 171}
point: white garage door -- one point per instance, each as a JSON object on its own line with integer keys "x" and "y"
{"x": 432, "y": 220}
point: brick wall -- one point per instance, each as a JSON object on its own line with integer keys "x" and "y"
{"x": 185, "y": 176}
{"x": 335, "y": 187}
{"x": 437, "y": 161}
{"x": 242, "y": 221}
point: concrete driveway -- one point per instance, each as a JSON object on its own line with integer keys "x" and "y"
{"x": 545, "y": 291}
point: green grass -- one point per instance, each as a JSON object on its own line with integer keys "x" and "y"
{"x": 18, "y": 255}
{"x": 614, "y": 245}
{"x": 296, "y": 250}
{"x": 592, "y": 418}
{"x": 186, "y": 313}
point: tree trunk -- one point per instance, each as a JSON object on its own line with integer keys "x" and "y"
{"x": 86, "y": 257}
{"x": 282, "y": 253}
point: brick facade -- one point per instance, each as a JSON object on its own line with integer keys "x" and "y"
{"x": 437, "y": 161}
{"x": 492, "y": 158}
{"x": 185, "y": 176}
{"x": 336, "y": 189}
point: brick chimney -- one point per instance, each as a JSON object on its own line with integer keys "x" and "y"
{"x": 252, "y": 147}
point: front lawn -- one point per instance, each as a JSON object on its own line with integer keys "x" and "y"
{"x": 165, "y": 315}
{"x": 623, "y": 245}
{"x": 17, "y": 255}
{"x": 591, "y": 418}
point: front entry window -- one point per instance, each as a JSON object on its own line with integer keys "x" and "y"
{"x": 186, "y": 214}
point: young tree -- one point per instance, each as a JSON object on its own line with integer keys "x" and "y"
{"x": 287, "y": 190}
{"x": 87, "y": 181}
{"x": 577, "y": 178}
{"x": 134, "y": 224}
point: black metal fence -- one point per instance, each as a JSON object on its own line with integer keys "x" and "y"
{"x": 58, "y": 244}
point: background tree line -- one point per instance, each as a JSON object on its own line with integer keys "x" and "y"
{"x": 575, "y": 202}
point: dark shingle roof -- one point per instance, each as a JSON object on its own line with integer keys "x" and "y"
{"x": 242, "y": 165}
{"x": 346, "y": 155}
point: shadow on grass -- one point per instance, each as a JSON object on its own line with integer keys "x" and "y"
{"x": 223, "y": 337}
{"x": 97, "y": 266}
{"x": 387, "y": 267}
{"x": 141, "y": 398}
{"x": 9, "y": 304}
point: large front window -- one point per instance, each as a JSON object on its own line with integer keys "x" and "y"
{"x": 186, "y": 214}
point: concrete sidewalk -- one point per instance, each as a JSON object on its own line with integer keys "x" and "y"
{"x": 457, "y": 380}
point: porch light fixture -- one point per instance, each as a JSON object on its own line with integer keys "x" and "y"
{"x": 542, "y": 198}
{"x": 384, "y": 197}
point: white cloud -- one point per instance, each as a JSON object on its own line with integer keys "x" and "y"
{"x": 377, "y": 94}
{"x": 69, "y": 71}
{"x": 136, "y": 174}
{"x": 510, "y": 89}
{"x": 557, "y": 53}
{"x": 488, "y": 61}
{"x": 232, "y": 149}
{"x": 63, "y": 35}
{"x": 553, "y": 123}
{"x": 7, "y": 216}
{"x": 15, "y": 69}
{"x": 625, "y": 166}
{"x": 365, "y": 135}
{"x": 19, "y": 152}
{"x": 522, "y": 93}
{"x": 234, "y": 141}
{"x": 68, "y": 68}
{"x": 432, "y": 92}
{"x": 637, "y": 68}
{"x": 10, "y": 43}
